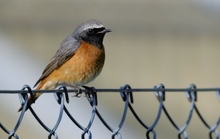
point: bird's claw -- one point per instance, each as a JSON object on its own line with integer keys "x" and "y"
{"x": 78, "y": 94}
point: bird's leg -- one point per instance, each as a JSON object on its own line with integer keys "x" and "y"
{"x": 79, "y": 90}
{"x": 88, "y": 94}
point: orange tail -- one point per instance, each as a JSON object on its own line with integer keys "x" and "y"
{"x": 35, "y": 95}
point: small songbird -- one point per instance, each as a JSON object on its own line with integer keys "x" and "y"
{"x": 78, "y": 61}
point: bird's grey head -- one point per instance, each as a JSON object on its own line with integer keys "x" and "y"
{"x": 91, "y": 32}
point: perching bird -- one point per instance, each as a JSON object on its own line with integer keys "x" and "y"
{"x": 78, "y": 61}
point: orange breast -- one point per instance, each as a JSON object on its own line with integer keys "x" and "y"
{"x": 83, "y": 67}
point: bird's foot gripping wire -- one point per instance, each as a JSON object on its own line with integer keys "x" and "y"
{"x": 88, "y": 90}
{"x": 88, "y": 93}
{"x": 78, "y": 93}
{"x": 91, "y": 95}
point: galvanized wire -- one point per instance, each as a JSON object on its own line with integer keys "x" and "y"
{"x": 61, "y": 96}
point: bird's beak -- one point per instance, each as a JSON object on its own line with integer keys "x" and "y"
{"x": 105, "y": 31}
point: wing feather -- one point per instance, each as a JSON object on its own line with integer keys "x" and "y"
{"x": 66, "y": 51}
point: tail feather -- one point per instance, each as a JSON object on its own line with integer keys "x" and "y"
{"x": 30, "y": 100}
{"x": 35, "y": 95}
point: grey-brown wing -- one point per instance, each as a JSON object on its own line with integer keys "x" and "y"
{"x": 66, "y": 51}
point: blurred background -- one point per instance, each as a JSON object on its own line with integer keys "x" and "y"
{"x": 171, "y": 42}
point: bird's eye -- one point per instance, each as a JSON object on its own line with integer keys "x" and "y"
{"x": 91, "y": 31}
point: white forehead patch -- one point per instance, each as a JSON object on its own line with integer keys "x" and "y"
{"x": 93, "y": 26}
{"x": 89, "y": 25}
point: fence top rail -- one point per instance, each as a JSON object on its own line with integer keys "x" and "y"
{"x": 103, "y": 90}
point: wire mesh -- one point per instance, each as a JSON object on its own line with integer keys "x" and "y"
{"x": 126, "y": 93}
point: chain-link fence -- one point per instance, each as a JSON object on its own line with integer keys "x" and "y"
{"x": 61, "y": 96}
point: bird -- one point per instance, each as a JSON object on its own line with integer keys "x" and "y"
{"x": 78, "y": 61}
